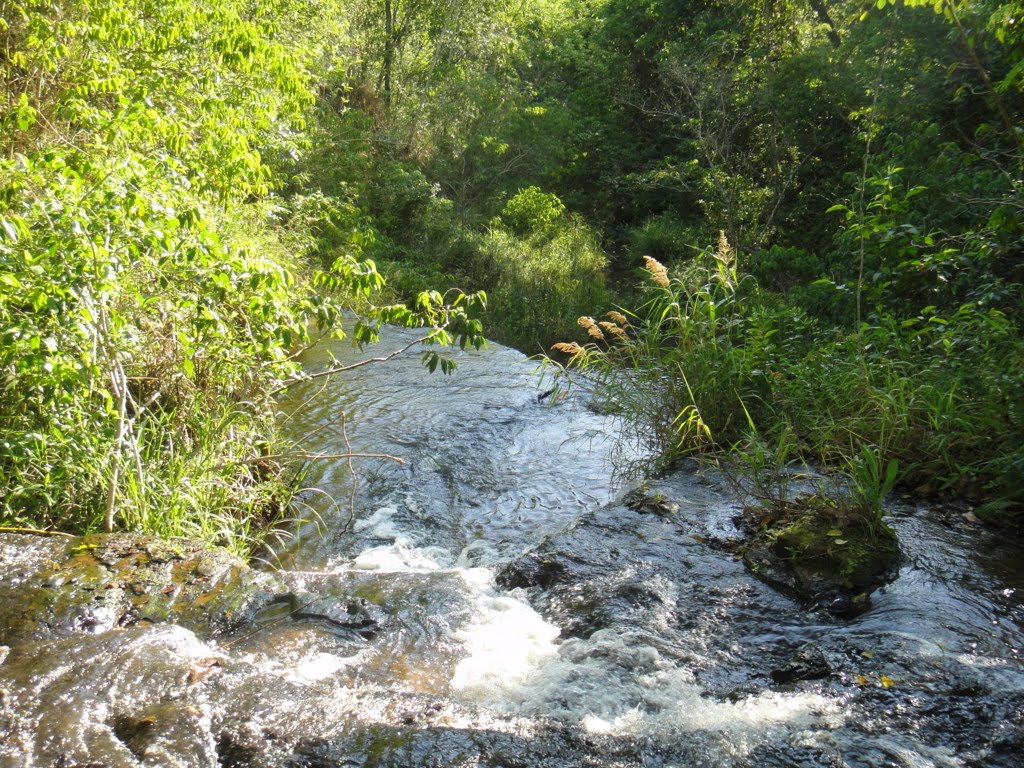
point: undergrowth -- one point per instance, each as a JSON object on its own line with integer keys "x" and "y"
{"x": 711, "y": 364}
{"x": 155, "y": 283}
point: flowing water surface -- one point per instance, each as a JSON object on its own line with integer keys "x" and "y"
{"x": 487, "y": 603}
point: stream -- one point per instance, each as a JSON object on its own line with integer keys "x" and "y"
{"x": 489, "y": 602}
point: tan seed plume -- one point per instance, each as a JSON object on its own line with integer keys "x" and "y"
{"x": 614, "y": 330}
{"x": 724, "y": 252}
{"x": 659, "y": 272}
{"x": 569, "y": 348}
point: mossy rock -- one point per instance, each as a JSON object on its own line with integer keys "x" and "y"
{"x": 53, "y": 587}
{"x": 821, "y": 553}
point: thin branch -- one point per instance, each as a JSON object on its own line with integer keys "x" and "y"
{"x": 308, "y": 457}
{"x": 352, "y": 366}
{"x": 286, "y": 417}
{"x": 352, "y": 475}
{"x": 35, "y": 531}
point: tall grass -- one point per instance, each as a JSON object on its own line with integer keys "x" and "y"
{"x": 539, "y": 272}
{"x": 710, "y": 363}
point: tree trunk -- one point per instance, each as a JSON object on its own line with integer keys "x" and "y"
{"x": 823, "y": 16}
{"x": 389, "y": 51}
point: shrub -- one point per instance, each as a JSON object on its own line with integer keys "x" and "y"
{"x": 153, "y": 291}
{"x": 664, "y": 238}
{"x": 532, "y": 212}
{"x": 710, "y": 363}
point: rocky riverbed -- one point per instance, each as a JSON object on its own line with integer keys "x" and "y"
{"x": 498, "y": 601}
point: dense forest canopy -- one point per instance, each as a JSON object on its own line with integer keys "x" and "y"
{"x": 188, "y": 192}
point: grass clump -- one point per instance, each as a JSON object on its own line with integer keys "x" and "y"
{"x": 711, "y": 364}
{"x": 540, "y": 267}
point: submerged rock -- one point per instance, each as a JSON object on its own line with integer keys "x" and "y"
{"x": 808, "y": 663}
{"x": 647, "y": 501}
{"x": 353, "y": 613}
{"x": 54, "y": 587}
{"x": 531, "y": 570}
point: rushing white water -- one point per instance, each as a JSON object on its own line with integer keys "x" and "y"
{"x": 481, "y": 603}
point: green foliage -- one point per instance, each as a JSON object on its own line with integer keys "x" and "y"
{"x": 658, "y": 119}
{"x": 121, "y": 303}
{"x": 537, "y": 284}
{"x": 189, "y": 194}
{"x": 663, "y": 237}
{"x": 562, "y": 274}
{"x": 693, "y": 366}
{"x": 152, "y": 292}
{"x": 713, "y": 364}
{"x": 532, "y": 212}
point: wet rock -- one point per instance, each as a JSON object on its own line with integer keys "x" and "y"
{"x": 1009, "y": 740}
{"x": 629, "y": 596}
{"x": 165, "y": 730}
{"x": 808, "y": 663}
{"x": 818, "y": 556}
{"x": 531, "y": 570}
{"x": 67, "y": 762}
{"x": 232, "y": 752}
{"x": 393, "y": 746}
{"x": 55, "y": 587}
{"x": 651, "y": 502}
{"x": 354, "y": 613}
{"x": 648, "y": 577}
{"x": 116, "y": 698}
{"x": 799, "y": 757}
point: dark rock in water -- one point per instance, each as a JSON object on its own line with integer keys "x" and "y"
{"x": 656, "y": 578}
{"x": 53, "y": 587}
{"x": 651, "y": 502}
{"x": 802, "y": 757}
{"x": 819, "y": 556}
{"x": 531, "y": 570}
{"x": 808, "y": 663}
{"x": 66, "y": 762}
{"x": 618, "y": 599}
{"x": 390, "y": 746}
{"x": 354, "y": 613}
{"x": 814, "y": 589}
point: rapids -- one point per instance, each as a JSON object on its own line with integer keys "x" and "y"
{"x": 488, "y": 603}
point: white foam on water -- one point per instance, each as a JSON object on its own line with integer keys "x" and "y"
{"x": 505, "y": 642}
{"x": 616, "y": 685}
{"x": 402, "y": 555}
{"x": 480, "y": 579}
{"x": 513, "y": 665}
{"x": 477, "y": 553}
{"x": 379, "y": 525}
{"x": 319, "y": 666}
